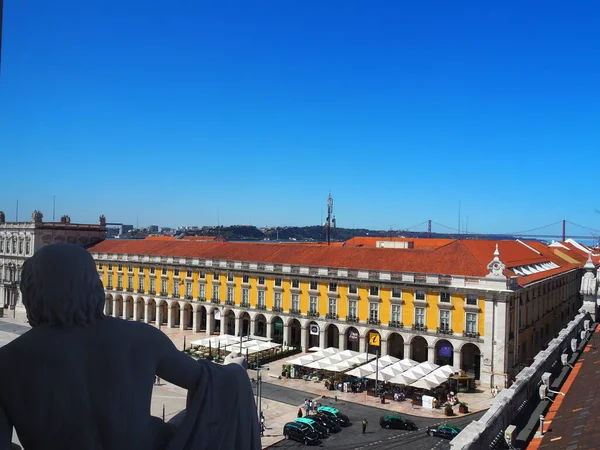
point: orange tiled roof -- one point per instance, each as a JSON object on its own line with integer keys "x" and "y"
{"x": 160, "y": 238}
{"x": 458, "y": 257}
{"x": 371, "y": 241}
{"x": 198, "y": 238}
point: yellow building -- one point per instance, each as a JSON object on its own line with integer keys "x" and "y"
{"x": 476, "y": 305}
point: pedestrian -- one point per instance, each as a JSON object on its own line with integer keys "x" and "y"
{"x": 262, "y": 424}
{"x": 364, "y": 425}
{"x": 299, "y": 413}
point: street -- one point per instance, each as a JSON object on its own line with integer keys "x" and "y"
{"x": 375, "y": 437}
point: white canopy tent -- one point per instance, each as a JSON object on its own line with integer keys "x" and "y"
{"x": 393, "y": 370}
{"x": 413, "y": 374}
{"x": 214, "y": 342}
{"x": 371, "y": 367}
{"x": 303, "y": 360}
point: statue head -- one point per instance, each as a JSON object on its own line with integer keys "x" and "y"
{"x": 61, "y": 287}
{"x": 2, "y": 217}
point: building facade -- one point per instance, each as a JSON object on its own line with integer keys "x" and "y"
{"x": 20, "y": 240}
{"x": 486, "y": 319}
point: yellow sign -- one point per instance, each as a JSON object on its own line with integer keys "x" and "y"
{"x": 374, "y": 339}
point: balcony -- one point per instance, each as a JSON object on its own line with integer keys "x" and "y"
{"x": 313, "y": 314}
{"x": 331, "y": 316}
{"x": 152, "y": 292}
{"x": 129, "y": 289}
{"x": 277, "y": 309}
{"x": 295, "y": 311}
{"x": 419, "y": 327}
{"x": 215, "y": 301}
{"x": 351, "y": 319}
{"x": 374, "y": 321}
{"x": 261, "y": 307}
{"x": 395, "y": 324}
{"x": 472, "y": 334}
{"x": 245, "y": 305}
{"x": 109, "y": 287}
{"x": 229, "y": 302}
{"x": 188, "y": 297}
{"x": 119, "y": 288}
{"x": 444, "y": 330}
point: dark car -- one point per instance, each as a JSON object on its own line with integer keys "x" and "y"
{"x": 332, "y": 425}
{"x": 300, "y": 432}
{"x": 316, "y": 426}
{"x": 334, "y": 414}
{"x": 444, "y": 431}
{"x": 397, "y": 423}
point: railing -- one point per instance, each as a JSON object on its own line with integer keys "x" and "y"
{"x": 351, "y": 319}
{"x": 119, "y": 288}
{"x": 474, "y": 334}
{"x": 245, "y": 305}
{"x": 229, "y": 302}
{"x": 419, "y": 327}
{"x": 152, "y": 292}
{"x": 188, "y": 297}
{"x": 395, "y": 324}
{"x": 215, "y": 301}
{"x": 374, "y": 321}
{"x": 295, "y": 311}
{"x": 277, "y": 309}
{"x": 331, "y": 316}
{"x": 261, "y": 307}
{"x": 129, "y": 289}
{"x": 164, "y": 293}
{"x": 109, "y": 287}
{"x": 444, "y": 330}
{"x": 313, "y": 314}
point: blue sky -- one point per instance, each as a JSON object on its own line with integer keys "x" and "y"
{"x": 183, "y": 111}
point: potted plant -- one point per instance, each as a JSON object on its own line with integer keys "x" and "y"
{"x": 448, "y": 411}
{"x": 463, "y": 408}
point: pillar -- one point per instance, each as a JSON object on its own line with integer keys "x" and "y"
{"x": 456, "y": 361}
{"x": 106, "y": 303}
{"x": 210, "y": 323}
{"x": 269, "y": 328}
{"x": 196, "y": 319}
{"x": 238, "y": 326}
{"x": 383, "y": 349}
{"x": 147, "y": 312}
{"x": 286, "y": 337}
{"x": 431, "y": 354}
{"x": 158, "y": 315}
{"x": 304, "y": 339}
{"x": 407, "y": 350}
{"x": 171, "y": 317}
{"x": 252, "y": 327}
{"x": 342, "y": 341}
{"x": 115, "y": 308}
{"x": 182, "y": 318}
{"x": 322, "y": 338}
{"x": 362, "y": 344}
{"x": 136, "y": 311}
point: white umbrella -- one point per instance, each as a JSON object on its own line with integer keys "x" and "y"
{"x": 387, "y": 360}
{"x": 406, "y": 377}
{"x": 425, "y": 383}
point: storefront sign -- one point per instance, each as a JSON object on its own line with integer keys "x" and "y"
{"x": 314, "y": 329}
{"x": 446, "y": 350}
{"x": 353, "y": 336}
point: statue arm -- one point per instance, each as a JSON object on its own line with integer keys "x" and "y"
{"x": 6, "y": 429}
{"x": 173, "y": 365}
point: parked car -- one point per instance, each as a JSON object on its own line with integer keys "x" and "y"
{"x": 335, "y": 414}
{"x": 397, "y": 423}
{"x": 300, "y": 432}
{"x": 316, "y": 426}
{"x": 444, "y": 431}
{"x": 331, "y": 424}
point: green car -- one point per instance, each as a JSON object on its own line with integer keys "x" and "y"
{"x": 444, "y": 431}
{"x": 317, "y": 427}
{"x": 396, "y": 422}
{"x": 335, "y": 414}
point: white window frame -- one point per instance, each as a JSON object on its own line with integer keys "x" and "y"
{"x": 417, "y": 293}
{"x": 202, "y": 275}
{"x": 202, "y": 291}
{"x": 140, "y": 283}
{"x": 230, "y": 277}
{"x": 278, "y": 282}
{"x": 396, "y": 313}
{"x": 315, "y": 284}
{"x": 447, "y": 314}
{"x": 423, "y": 316}
{"x": 261, "y": 281}
{"x": 353, "y": 289}
{"x": 175, "y": 272}
{"x": 153, "y": 285}
{"x": 188, "y": 289}
{"x": 189, "y": 274}
{"x": 245, "y": 279}
{"x": 352, "y": 308}
{"x": 163, "y": 287}
{"x": 119, "y": 281}
{"x": 333, "y": 287}
{"x": 395, "y": 290}
{"x": 229, "y": 294}
{"x": 295, "y": 302}
{"x": 216, "y": 278}
{"x": 245, "y": 296}
{"x": 261, "y": 299}
{"x": 444, "y": 294}
{"x": 295, "y": 284}
{"x": 215, "y": 292}
{"x": 109, "y": 280}
{"x": 313, "y": 304}
{"x": 374, "y": 291}
{"x": 332, "y": 306}
{"x": 467, "y": 322}
{"x": 129, "y": 281}
{"x": 374, "y": 311}
{"x": 175, "y": 288}
{"x": 277, "y": 299}
{"x": 471, "y": 300}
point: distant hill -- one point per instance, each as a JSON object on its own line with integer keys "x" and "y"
{"x": 318, "y": 233}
